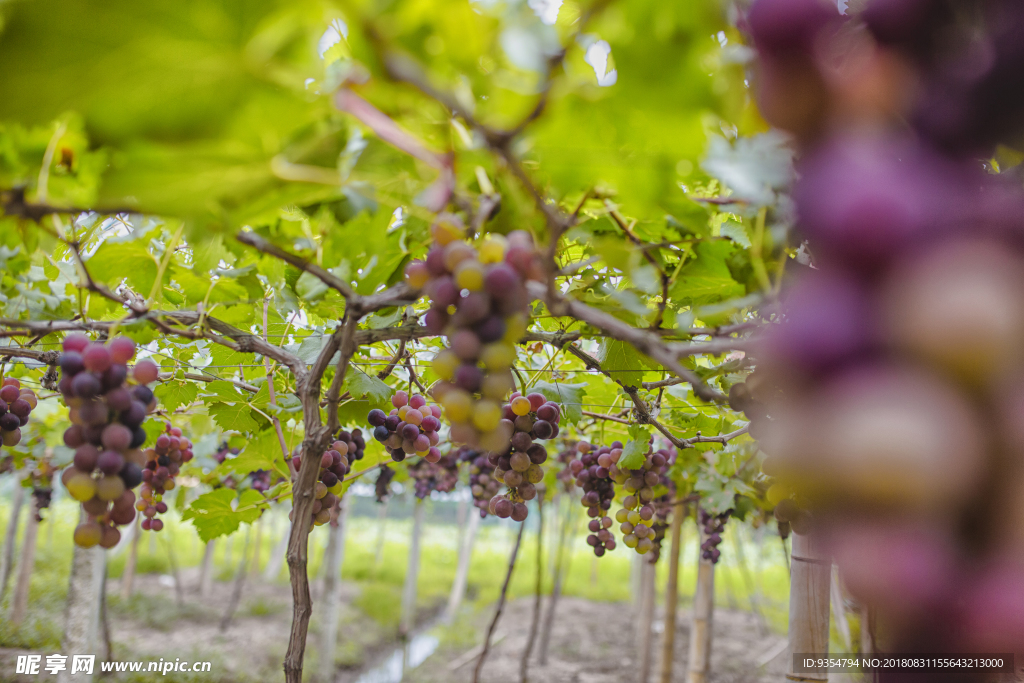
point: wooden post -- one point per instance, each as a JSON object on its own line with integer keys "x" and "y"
{"x": 334, "y": 557}
{"x": 703, "y": 619}
{"x": 646, "y": 619}
{"x": 524, "y": 662}
{"x": 25, "y": 566}
{"x": 11, "y": 537}
{"x": 206, "y": 569}
{"x": 462, "y": 570}
{"x": 809, "y": 583}
{"x": 839, "y": 609}
{"x": 867, "y": 630}
{"x": 668, "y": 640}
{"x": 382, "y": 522}
{"x": 128, "y": 577}
{"x": 412, "y": 572}
{"x": 82, "y": 618}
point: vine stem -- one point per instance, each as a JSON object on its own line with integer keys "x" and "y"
{"x": 501, "y": 606}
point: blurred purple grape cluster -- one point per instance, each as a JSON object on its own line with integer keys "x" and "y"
{"x": 889, "y": 395}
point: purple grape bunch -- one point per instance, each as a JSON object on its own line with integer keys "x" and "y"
{"x": 479, "y": 302}
{"x": 441, "y": 476}
{"x": 16, "y": 404}
{"x": 518, "y": 464}
{"x": 333, "y": 467}
{"x": 713, "y": 526}
{"x": 106, "y": 414}
{"x": 482, "y": 483}
{"x": 636, "y": 518}
{"x": 593, "y": 474}
{"x": 411, "y": 427}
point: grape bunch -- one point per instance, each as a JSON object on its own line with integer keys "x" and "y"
{"x": 892, "y": 428}
{"x": 482, "y": 483}
{"x": 638, "y": 508}
{"x": 382, "y": 487}
{"x": 480, "y": 303}
{"x": 260, "y": 480}
{"x": 411, "y": 427}
{"x": 565, "y": 475}
{"x": 429, "y": 476}
{"x": 356, "y": 445}
{"x": 658, "y": 528}
{"x": 223, "y": 451}
{"x": 713, "y": 526}
{"x": 42, "y": 486}
{"x": 334, "y": 465}
{"x": 163, "y": 462}
{"x": 592, "y": 473}
{"x": 517, "y": 464}
{"x": 106, "y": 414}
{"x": 16, "y": 404}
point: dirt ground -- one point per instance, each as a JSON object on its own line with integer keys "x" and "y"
{"x": 591, "y": 642}
{"x": 594, "y": 642}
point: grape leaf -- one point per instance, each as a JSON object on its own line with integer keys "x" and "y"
{"x": 213, "y": 515}
{"x": 110, "y": 259}
{"x": 707, "y": 279}
{"x": 622, "y": 361}
{"x": 569, "y": 395}
{"x": 635, "y": 450}
{"x": 173, "y": 395}
{"x": 223, "y": 390}
{"x": 361, "y": 385}
{"x": 236, "y": 416}
{"x": 262, "y": 452}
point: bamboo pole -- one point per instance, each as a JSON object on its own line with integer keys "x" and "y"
{"x": 335, "y": 557}
{"x": 646, "y": 619}
{"x": 82, "y": 615}
{"x": 703, "y": 619}
{"x": 524, "y": 662}
{"x": 668, "y": 640}
{"x": 810, "y": 579}
{"x": 412, "y": 572}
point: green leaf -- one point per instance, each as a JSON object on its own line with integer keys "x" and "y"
{"x": 173, "y": 395}
{"x": 115, "y": 262}
{"x": 707, "y": 280}
{"x": 622, "y": 361}
{"x": 262, "y": 452}
{"x": 362, "y": 385}
{"x": 223, "y": 390}
{"x": 213, "y": 515}
{"x": 569, "y": 395}
{"x": 635, "y": 451}
{"x": 310, "y": 287}
{"x": 236, "y": 417}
